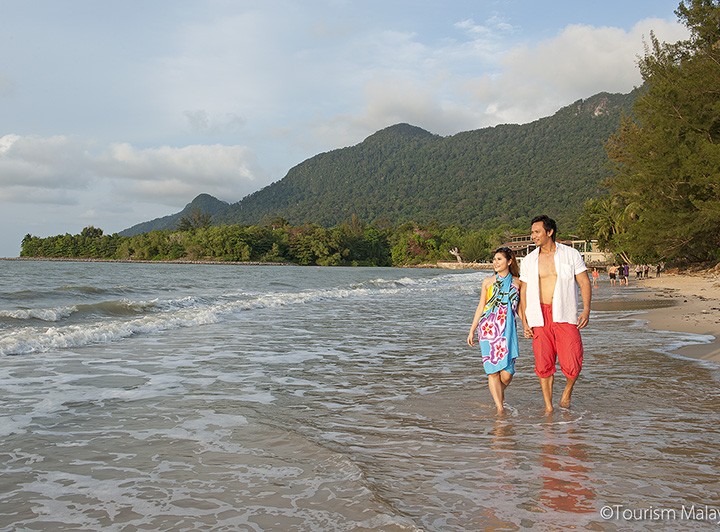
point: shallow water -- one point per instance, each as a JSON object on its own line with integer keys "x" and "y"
{"x": 218, "y": 397}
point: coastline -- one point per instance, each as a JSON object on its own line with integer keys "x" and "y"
{"x": 143, "y": 261}
{"x": 696, "y": 308}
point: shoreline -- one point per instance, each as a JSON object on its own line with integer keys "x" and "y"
{"x": 440, "y": 264}
{"x": 143, "y": 261}
{"x": 695, "y": 299}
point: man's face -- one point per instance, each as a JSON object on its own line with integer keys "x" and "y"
{"x": 538, "y": 234}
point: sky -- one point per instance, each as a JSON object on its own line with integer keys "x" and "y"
{"x": 117, "y": 112}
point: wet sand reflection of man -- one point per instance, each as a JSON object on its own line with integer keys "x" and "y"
{"x": 566, "y": 473}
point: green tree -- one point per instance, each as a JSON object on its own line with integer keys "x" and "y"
{"x": 195, "y": 220}
{"x": 474, "y": 247}
{"x": 91, "y": 232}
{"x": 667, "y": 156}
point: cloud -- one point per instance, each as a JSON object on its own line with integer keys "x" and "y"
{"x": 437, "y": 90}
{"x": 47, "y": 170}
{"x": 487, "y": 32}
{"x": 582, "y": 60}
{"x": 176, "y": 174}
{"x": 43, "y": 162}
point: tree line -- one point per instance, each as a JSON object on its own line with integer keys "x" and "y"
{"x": 662, "y": 201}
{"x": 348, "y": 244}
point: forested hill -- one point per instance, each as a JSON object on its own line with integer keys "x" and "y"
{"x": 478, "y": 179}
{"x": 204, "y": 203}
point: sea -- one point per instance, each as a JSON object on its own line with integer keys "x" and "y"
{"x": 233, "y": 397}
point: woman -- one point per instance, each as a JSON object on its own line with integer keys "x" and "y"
{"x": 495, "y": 323}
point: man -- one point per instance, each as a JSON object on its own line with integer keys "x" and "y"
{"x": 550, "y": 276}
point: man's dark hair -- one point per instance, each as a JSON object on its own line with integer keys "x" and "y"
{"x": 548, "y": 224}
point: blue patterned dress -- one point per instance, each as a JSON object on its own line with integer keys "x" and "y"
{"x": 496, "y": 330}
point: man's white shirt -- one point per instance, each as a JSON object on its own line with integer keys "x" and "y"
{"x": 568, "y": 263}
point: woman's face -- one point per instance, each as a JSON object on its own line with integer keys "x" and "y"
{"x": 500, "y": 263}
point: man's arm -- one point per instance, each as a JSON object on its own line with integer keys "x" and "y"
{"x": 583, "y": 282}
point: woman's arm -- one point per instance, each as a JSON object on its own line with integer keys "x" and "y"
{"x": 527, "y": 330}
{"x": 478, "y": 311}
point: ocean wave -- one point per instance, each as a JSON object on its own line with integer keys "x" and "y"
{"x": 80, "y": 289}
{"x": 123, "y": 307}
{"x": 447, "y": 280}
{"x": 119, "y": 319}
{"x": 33, "y": 339}
{"x": 43, "y": 314}
{"x": 65, "y": 291}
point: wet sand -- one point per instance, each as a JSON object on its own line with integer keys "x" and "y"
{"x": 696, "y": 298}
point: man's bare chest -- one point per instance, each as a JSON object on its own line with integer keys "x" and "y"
{"x": 546, "y": 266}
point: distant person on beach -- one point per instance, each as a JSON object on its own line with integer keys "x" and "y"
{"x": 550, "y": 276}
{"x": 626, "y": 273}
{"x": 494, "y": 321}
{"x": 621, "y": 274}
{"x": 595, "y": 275}
{"x": 612, "y": 273}
{"x": 657, "y": 270}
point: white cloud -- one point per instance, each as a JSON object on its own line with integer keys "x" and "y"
{"x": 32, "y": 168}
{"x": 486, "y": 32}
{"x": 37, "y": 195}
{"x": 479, "y": 82}
{"x": 581, "y": 61}
{"x": 44, "y": 162}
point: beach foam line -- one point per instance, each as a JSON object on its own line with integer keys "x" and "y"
{"x": 184, "y": 312}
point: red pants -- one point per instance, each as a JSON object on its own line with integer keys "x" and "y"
{"x": 557, "y": 341}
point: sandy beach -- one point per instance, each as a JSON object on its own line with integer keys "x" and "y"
{"x": 696, "y": 298}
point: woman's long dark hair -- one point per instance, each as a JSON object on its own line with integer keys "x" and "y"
{"x": 510, "y": 255}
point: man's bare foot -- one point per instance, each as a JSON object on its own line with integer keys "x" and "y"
{"x": 567, "y": 393}
{"x": 565, "y": 400}
{"x": 549, "y": 410}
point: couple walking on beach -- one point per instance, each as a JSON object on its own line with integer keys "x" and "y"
{"x": 543, "y": 294}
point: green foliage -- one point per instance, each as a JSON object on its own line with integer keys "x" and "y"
{"x": 201, "y": 212}
{"x": 479, "y": 179}
{"x": 347, "y": 244}
{"x": 665, "y": 190}
{"x": 195, "y": 220}
{"x": 475, "y": 246}
{"x": 90, "y": 243}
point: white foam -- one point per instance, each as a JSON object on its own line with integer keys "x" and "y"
{"x": 33, "y": 339}
{"x": 44, "y": 314}
{"x": 191, "y": 311}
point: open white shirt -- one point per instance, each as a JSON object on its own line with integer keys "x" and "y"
{"x": 568, "y": 263}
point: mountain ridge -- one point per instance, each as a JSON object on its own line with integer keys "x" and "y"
{"x": 479, "y": 178}
{"x": 204, "y": 203}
